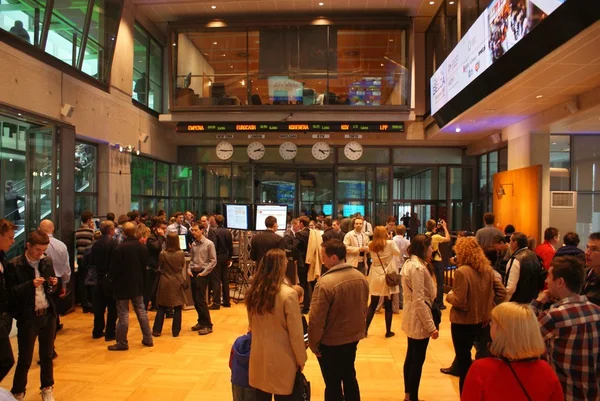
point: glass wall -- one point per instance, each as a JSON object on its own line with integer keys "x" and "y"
{"x": 489, "y": 164}
{"x": 86, "y": 178}
{"x": 147, "y": 70}
{"x": 560, "y": 162}
{"x": 305, "y": 65}
{"x": 80, "y": 34}
{"x": 585, "y": 179}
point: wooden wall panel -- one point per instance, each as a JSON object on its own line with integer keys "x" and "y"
{"x": 521, "y": 203}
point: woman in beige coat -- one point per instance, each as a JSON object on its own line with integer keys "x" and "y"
{"x": 383, "y": 251}
{"x": 277, "y": 351}
{"x": 419, "y": 287}
{"x": 170, "y": 292}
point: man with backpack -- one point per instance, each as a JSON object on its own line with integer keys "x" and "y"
{"x": 525, "y": 275}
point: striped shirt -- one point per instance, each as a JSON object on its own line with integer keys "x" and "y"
{"x": 84, "y": 236}
{"x": 571, "y": 330}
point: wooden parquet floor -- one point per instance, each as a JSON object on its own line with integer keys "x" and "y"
{"x": 193, "y": 367}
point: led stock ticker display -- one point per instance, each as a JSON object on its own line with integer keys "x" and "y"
{"x": 291, "y": 127}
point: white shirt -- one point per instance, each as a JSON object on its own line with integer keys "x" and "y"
{"x": 368, "y": 229}
{"x": 402, "y": 244}
{"x": 513, "y": 277}
{"x": 1, "y": 268}
{"x": 59, "y": 254}
{"x": 179, "y": 229}
{"x": 41, "y": 302}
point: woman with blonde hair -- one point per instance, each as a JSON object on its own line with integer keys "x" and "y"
{"x": 382, "y": 252}
{"x": 419, "y": 287}
{"x": 516, "y": 371}
{"x": 476, "y": 290}
{"x": 142, "y": 233}
{"x": 277, "y": 351}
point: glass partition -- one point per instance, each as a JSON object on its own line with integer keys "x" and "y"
{"x": 147, "y": 70}
{"x": 302, "y": 65}
{"x": 23, "y": 19}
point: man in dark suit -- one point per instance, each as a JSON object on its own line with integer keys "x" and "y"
{"x": 155, "y": 245}
{"x": 7, "y": 360}
{"x": 219, "y": 278}
{"x": 329, "y": 230}
{"x": 290, "y": 245}
{"x": 102, "y": 253}
{"x": 302, "y": 237}
{"x": 127, "y": 275}
{"x": 266, "y": 240}
{"x": 32, "y": 287}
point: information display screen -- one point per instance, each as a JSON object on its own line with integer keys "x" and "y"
{"x": 238, "y": 216}
{"x": 500, "y": 27}
{"x": 328, "y": 210}
{"x": 291, "y": 127}
{"x": 182, "y": 242}
{"x": 350, "y": 210}
{"x": 266, "y": 210}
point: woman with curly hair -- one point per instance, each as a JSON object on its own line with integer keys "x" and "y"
{"x": 277, "y": 349}
{"x": 476, "y": 291}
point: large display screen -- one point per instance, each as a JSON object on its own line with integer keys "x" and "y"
{"x": 277, "y": 211}
{"x": 501, "y": 26}
{"x": 238, "y": 216}
{"x": 292, "y": 127}
{"x": 350, "y": 210}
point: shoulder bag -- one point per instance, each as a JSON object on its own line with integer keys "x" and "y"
{"x": 301, "y": 390}
{"x": 517, "y": 377}
{"x": 391, "y": 279}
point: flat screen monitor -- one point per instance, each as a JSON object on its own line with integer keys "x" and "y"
{"x": 238, "y": 216}
{"x": 328, "y": 210}
{"x": 266, "y": 210}
{"x": 182, "y": 242}
{"x": 350, "y": 210}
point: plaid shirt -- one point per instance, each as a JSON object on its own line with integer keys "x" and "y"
{"x": 571, "y": 329}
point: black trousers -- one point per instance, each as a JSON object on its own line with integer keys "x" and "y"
{"x": 160, "y": 319}
{"x": 219, "y": 279}
{"x": 150, "y": 286}
{"x": 262, "y": 396}
{"x": 199, "y": 288}
{"x": 42, "y": 328}
{"x": 303, "y": 281}
{"x": 101, "y": 303}
{"x": 413, "y": 366}
{"x": 387, "y": 305}
{"x": 7, "y": 360}
{"x": 339, "y": 375}
{"x": 463, "y": 339}
{"x": 84, "y": 293}
{"x": 439, "y": 268}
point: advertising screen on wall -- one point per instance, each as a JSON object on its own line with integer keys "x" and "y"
{"x": 500, "y": 27}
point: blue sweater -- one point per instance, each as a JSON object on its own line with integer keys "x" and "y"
{"x": 239, "y": 360}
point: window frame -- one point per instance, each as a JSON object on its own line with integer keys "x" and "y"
{"x": 151, "y": 39}
{"x": 88, "y": 194}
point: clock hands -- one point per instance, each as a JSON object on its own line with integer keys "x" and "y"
{"x": 225, "y": 150}
{"x": 290, "y": 150}
{"x": 355, "y": 151}
{"x": 322, "y": 151}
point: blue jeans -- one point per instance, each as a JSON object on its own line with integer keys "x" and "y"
{"x": 243, "y": 393}
{"x": 123, "y": 322}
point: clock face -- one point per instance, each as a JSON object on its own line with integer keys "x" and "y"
{"x": 224, "y": 150}
{"x": 320, "y": 151}
{"x": 256, "y": 150}
{"x": 288, "y": 150}
{"x": 353, "y": 150}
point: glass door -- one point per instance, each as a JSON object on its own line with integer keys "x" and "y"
{"x": 316, "y": 192}
{"x": 275, "y": 185}
{"x": 40, "y": 176}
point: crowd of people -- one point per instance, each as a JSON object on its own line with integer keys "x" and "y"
{"x": 531, "y": 312}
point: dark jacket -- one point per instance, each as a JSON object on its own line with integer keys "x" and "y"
{"x": 331, "y": 234}
{"x": 530, "y": 278}
{"x": 102, "y": 253}
{"x": 19, "y": 282}
{"x": 263, "y": 242}
{"x": 290, "y": 245}
{"x": 570, "y": 250}
{"x": 127, "y": 269}
{"x": 155, "y": 247}
{"x": 239, "y": 360}
{"x": 591, "y": 288}
{"x": 224, "y": 242}
{"x": 3, "y": 290}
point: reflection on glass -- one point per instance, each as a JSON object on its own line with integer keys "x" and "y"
{"x": 101, "y": 38}
{"x": 23, "y": 19}
{"x": 147, "y": 69}
{"x": 218, "y": 181}
{"x": 142, "y": 176}
{"x": 66, "y": 31}
{"x": 181, "y": 181}
{"x": 83, "y": 203}
{"x": 162, "y": 179}
{"x": 278, "y": 186}
{"x": 85, "y": 168}
{"x": 351, "y": 183}
{"x": 316, "y": 192}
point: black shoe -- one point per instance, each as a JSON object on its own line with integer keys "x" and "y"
{"x": 214, "y": 307}
{"x": 59, "y": 327}
{"x": 196, "y": 327}
{"x": 442, "y": 307}
{"x": 450, "y": 371}
{"x": 155, "y": 334}
{"x": 117, "y": 348}
{"x": 97, "y": 336}
{"x": 389, "y": 334}
{"x": 150, "y": 344}
{"x": 227, "y": 305}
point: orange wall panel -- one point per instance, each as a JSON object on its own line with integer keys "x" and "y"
{"x": 521, "y": 203}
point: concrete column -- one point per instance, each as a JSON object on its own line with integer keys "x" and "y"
{"x": 114, "y": 181}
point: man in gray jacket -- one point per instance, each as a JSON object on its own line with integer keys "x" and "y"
{"x": 337, "y": 322}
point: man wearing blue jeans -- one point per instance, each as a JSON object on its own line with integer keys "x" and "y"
{"x": 127, "y": 275}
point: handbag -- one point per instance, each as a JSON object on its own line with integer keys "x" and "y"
{"x": 436, "y": 314}
{"x": 391, "y": 279}
{"x": 301, "y": 390}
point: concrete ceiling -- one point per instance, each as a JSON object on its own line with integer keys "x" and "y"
{"x": 561, "y": 76}
{"x": 160, "y": 11}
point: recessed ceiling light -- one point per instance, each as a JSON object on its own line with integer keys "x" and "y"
{"x": 432, "y": 2}
{"x": 539, "y": 96}
{"x": 391, "y": 40}
{"x": 19, "y": 114}
{"x": 214, "y": 43}
{"x": 457, "y": 130}
{"x": 231, "y": 66}
{"x": 174, "y": 44}
{"x": 213, "y": 7}
{"x": 382, "y": 64}
{"x": 451, "y": 3}
{"x": 321, "y": 4}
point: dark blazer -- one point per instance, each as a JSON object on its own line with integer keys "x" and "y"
{"x": 19, "y": 276}
{"x": 154, "y": 245}
{"x": 331, "y": 234}
{"x": 102, "y": 253}
{"x": 127, "y": 269}
{"x": 263, "y": 242}
{"x": 3, "y": 290}
{"x": 224, "y": 242}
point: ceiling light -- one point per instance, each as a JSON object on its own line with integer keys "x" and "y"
{"x": 391, "y": 40}
{"x": 213, "y": 7}
{"x": 231, "y": 66}
{"x": 9, "y": 160}
{"x": 19, "y": 114}
{"x": 457, "y": 129}
{"x": 382, "y": 64}
{"x": 243, "y": 82}
{"x": 553, "y": 143}
{"x": 321, "y": 4}
{"x": 214, "y": 43}
{"x": 432, "y": 2}
{"x": 174, "y": 44}
{"x": 539, "y": 96}
{"x": 451, "y": 3}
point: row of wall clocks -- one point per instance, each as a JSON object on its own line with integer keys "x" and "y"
{"x": 288, "y": 150}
